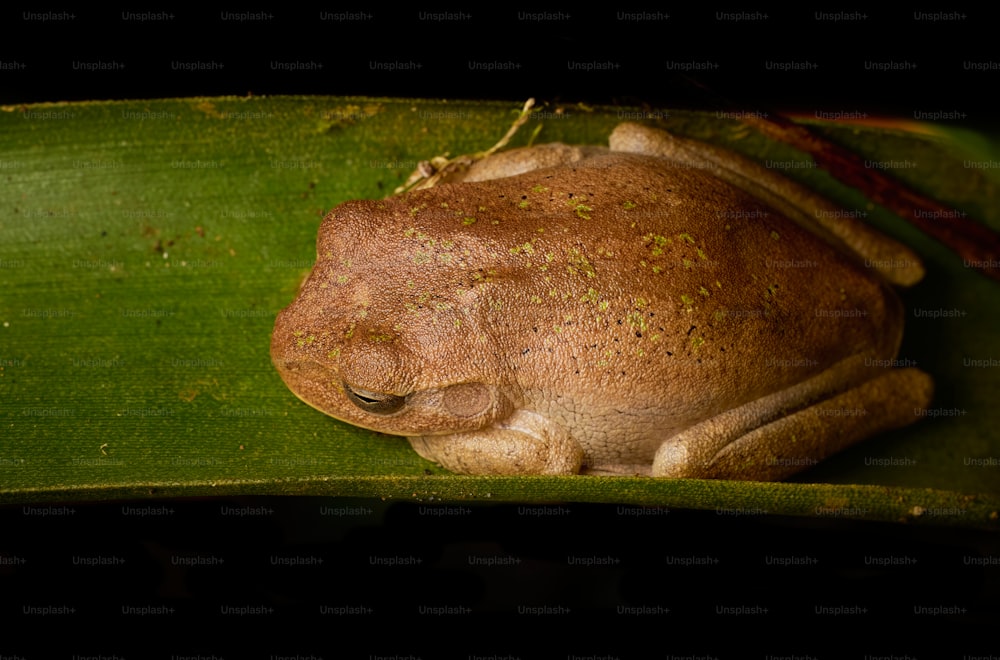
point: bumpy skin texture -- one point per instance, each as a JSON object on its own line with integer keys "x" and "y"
{"x": 616, "y": 314}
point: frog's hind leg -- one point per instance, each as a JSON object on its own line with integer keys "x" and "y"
{"x": 778, "y": 435}
{"x": 527, "y": 159}
{"x": 893, "y": 260}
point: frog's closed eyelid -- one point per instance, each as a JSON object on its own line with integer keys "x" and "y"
{"x": 377, "y": 403}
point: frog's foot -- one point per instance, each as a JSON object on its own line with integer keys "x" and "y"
{"x": 524, "y": 443}
{"x": 778, "y": 435}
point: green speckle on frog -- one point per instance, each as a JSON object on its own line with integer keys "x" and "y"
{"x": 647, "y": 324}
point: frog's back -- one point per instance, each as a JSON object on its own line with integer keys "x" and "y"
{"x": 623, "y": 273}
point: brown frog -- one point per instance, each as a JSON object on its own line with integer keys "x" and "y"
{"x": 659, "y": 308}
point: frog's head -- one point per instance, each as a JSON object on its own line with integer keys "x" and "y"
{"x": 391, "y": 329}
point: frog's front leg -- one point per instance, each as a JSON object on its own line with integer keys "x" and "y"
{"x": 778, "y": 435}
{"x": 524, "y": 443}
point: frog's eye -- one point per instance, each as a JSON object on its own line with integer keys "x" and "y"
{"x": 377, "y": 403}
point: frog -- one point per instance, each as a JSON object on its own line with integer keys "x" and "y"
{"x": 655, "y": 307}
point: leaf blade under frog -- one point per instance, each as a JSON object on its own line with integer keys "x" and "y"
{"x": 147, "y": 245}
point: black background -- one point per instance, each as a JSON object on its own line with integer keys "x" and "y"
{"x": 643, "y": 54}
{"x": 740, "y": 570}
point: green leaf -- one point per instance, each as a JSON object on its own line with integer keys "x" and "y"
{"x": 145, "y": 248}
